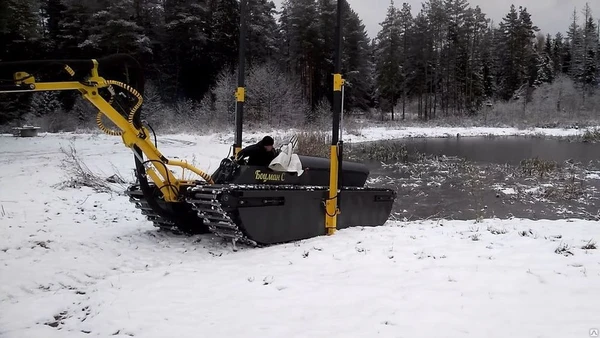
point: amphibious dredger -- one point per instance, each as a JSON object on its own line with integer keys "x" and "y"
{"x": 247, "y": 204}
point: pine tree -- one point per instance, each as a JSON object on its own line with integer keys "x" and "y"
{"x": 262, "y": 32}
{"x": 545, "y": 69}
{"x": 424, "y": 56}
{"x": 488, "y": 68}
{"x": 73, "y": 29}
{"x": 355, "y": 65}
{"x": 326, "y": 28}
{"x": 389, "y": 67}
{"x": 507, "y": 52}
{"x": 590, "y": 73}
{"x": 19, "y": 40}
{"x": 558, "y": 54}
{"x": 301, "y": 35}
{"x": 576, "y": 51}
{"x": 223, "y": 36}
{"x": 457, "y": 51}
{"x": 50, "y": 16}
{"x": 516, "y": 54}
{"x": 186, "y": 38}
{"x": 436, "y": 68}
{"x": 478, "y": 60}
{"x": 406, "y": 26}
{"x": 527, "y": 50}
{"x": 113, "y": 31}
{"x": 19, "y": 34}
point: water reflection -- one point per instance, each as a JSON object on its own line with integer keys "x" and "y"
{"x": 505, "y": 150}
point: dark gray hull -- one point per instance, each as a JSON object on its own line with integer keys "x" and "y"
{"x": 266, "y": 215}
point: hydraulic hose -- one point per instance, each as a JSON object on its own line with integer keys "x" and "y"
{"x": 101, "y": 125}
{"x": 131, "y": 115}
{"x": 105, "y": 129}
{"x": 134, "y": 93}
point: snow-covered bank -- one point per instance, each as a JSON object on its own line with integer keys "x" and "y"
{"x": 365, "y": 134}
{"x": 75, "y": 263}
{"x": 369, "y": 133}
{"x": 379, "y": 133}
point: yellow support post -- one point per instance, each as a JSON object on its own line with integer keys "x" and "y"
{"x": 331, "y": 209}
{"x": 240, "y": 97}
{"x": 331, "y": 206}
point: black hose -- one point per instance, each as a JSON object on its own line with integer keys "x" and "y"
{"x": 153, "y": 134}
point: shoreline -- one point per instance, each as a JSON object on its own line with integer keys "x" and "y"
{"x": 363, "y": 134}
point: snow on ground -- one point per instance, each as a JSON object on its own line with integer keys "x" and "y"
{"x": 75, "y": 263}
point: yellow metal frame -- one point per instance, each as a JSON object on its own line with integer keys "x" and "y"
{"x": 331, "y": 205}
{"x": 156, "y": 164}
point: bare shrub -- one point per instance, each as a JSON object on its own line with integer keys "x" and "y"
{"x": 496, "y": 231}
{"x": 564, "y": 249}
{"x": 314, "y": 144}
{"x": 591, "y": 245}
{"x": 56, "y": 122}
{"x": 379, "y": 151}
{"x": 224, "y": 97}
{"x": 80, "y": 175}
{"x": 46, "y": 112}
{"x": 350, "y": 124}
{"x": 320, "y": 117}
{"x": 526, "y": 233}
{"x": 537, "y": 166}
{"x": 185, "y": 115}
{"x": 274, "y": 98}
{"x": 154, "y": 110}
{"x": 591, "y": 136}
{"x": 556, "y": 104}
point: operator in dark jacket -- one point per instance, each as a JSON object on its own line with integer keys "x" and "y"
{"x": 260, "y": 154}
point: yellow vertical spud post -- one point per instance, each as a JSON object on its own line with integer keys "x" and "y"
{"x": 331, "y": 206}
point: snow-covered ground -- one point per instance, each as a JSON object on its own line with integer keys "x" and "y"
{"x": 88, "y": 264}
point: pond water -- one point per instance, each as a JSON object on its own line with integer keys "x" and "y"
{"x": 491, "y": 183}
{"x": 505, "y": 150}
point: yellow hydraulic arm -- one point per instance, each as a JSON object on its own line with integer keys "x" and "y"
{"x": 156, "y": 163}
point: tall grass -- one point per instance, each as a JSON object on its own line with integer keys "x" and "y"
{"x": 313, "y": 143}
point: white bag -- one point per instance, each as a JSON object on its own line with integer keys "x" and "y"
{"x": 287, "y": 161}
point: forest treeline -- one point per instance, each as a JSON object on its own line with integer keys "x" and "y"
{"x": 447, "y": 60}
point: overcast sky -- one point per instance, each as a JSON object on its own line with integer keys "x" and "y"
{"x": 551, "y": 16}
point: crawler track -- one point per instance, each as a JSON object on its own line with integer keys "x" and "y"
{"x": 206, "y": 201}
{"x": 136, "y": 196}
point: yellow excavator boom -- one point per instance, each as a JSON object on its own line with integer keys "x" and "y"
{"x": 156, "y": 164}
